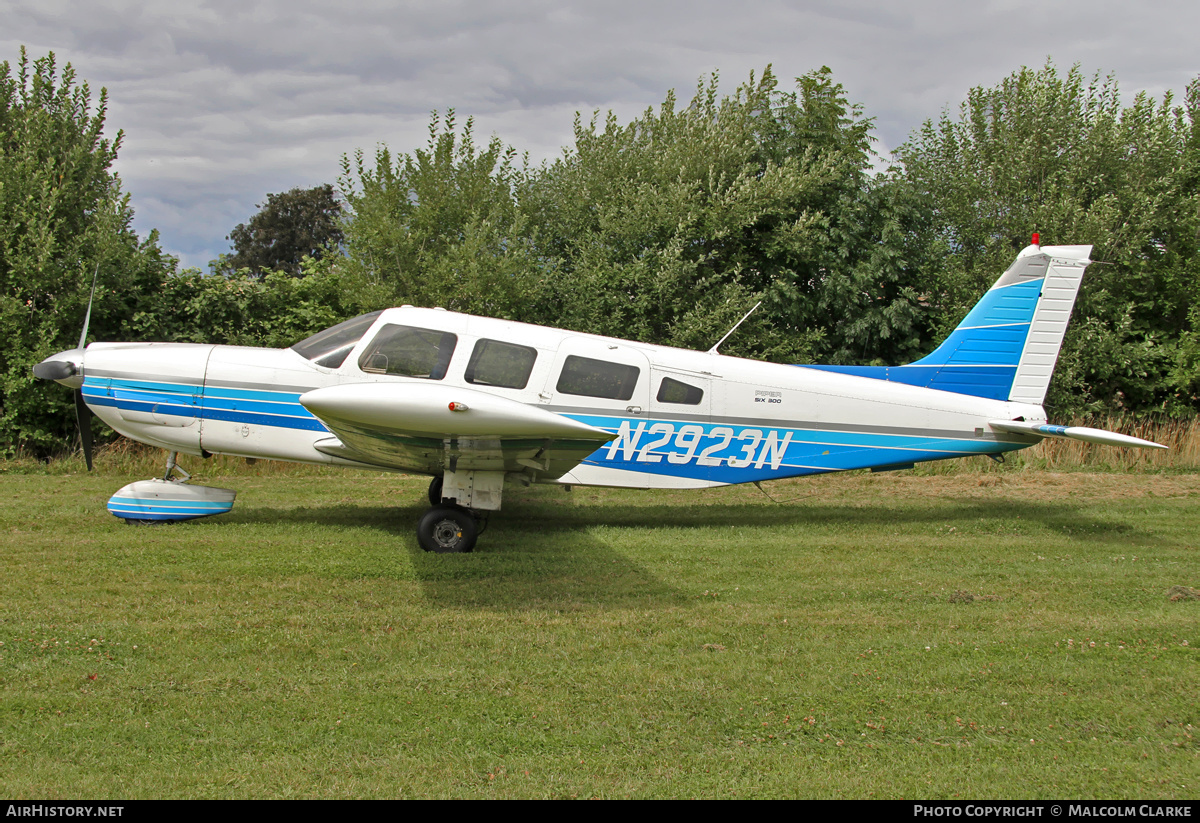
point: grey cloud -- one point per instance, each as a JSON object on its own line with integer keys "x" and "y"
{"x": 225, "y": 100}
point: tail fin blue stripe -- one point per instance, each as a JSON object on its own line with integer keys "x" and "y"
{"x": 979, "y": 357}
{"x": 994, "y": 332}
{"x": 993, "y": 353}
{"x": 996, "y": 346}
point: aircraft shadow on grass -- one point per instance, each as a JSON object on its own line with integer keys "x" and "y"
{"x": 553, "y": 557}
{"x": 535, "y": 528}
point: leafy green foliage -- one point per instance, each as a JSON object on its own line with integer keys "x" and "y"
{"x": 1063, "y": 157}
{"x": 669, "y": 228}
{"x": 440, "y": 227}
{"x": 248, "y": 308}
{"x": 63, "y": 220}
{"x": 289, "y": 227}
{"x": 665, "y": 230}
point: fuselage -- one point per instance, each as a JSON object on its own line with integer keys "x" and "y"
{"x": 681, "y": 419}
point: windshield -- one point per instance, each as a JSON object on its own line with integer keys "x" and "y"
{"x": 330, "y": 347}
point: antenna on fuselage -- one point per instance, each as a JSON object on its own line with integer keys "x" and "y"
{"x": 713, "y": 350}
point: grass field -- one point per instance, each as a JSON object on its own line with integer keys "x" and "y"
{"x": 989, "y": 633}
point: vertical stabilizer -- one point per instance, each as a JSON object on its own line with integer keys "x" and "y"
{"x": 1007, "y": 345}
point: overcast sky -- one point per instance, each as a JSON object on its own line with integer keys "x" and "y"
{"x": 222, "y": 102}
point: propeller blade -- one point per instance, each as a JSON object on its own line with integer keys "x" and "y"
{"x": 83, "y": 418}
{"x": 87, "y": 318}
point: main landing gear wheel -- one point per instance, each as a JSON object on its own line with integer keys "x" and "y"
{"x": 447, "y": 529}
{"x": 435, "y": 491}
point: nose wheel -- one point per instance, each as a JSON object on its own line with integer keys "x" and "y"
{"x": 447, "y": 530}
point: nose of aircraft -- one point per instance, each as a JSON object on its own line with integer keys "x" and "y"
{"x": 66, "y": 367}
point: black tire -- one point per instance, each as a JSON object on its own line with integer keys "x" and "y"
{"x": 446, "y": 530}
{"x": 435, "y": 491}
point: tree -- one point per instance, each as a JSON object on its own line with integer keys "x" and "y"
{"x": 860, "y": 286}
{"x": 440, "y": 227}
{"x": 669, "y": 228}
{"x": 1063, "y": 157}
{"x": 63, "y": 220}
{"x": 248, "y": 309}
{"x": 288, "y": 227}
{"x": 666, "y": 229}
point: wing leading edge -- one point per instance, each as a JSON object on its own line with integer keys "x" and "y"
{"x": 432, "y": 429}
{"x": 1084, "y": 433}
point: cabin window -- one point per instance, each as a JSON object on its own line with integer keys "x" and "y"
{"x": 676, "y": 391}
{"x": 506, "y": 365}
{"x": 329, "y": 348}
{"x": 408, "y": 351}
{"x": 597, "y": 378}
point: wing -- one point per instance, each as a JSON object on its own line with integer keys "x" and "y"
{"x": 429, "y": 429}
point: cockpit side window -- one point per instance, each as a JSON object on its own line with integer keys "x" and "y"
{"x": 495, "y": 363}
{"x": 409, "y": 351}
{"x": 597, "y": 378}
{"x": 329, "y": 348}
{"x": 676, "y": 391}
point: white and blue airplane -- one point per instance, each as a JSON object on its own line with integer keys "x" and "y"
{"x": 478, "y": 403}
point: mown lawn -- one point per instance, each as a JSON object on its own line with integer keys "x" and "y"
{"x": 964, "y": 635}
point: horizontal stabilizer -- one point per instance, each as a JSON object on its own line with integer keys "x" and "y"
{"x": 1089, "y": 435}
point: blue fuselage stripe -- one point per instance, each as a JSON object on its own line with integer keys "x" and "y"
{"x": 263, "y": 408}
{"x": 742, "y": 454}
{"x": 717, "y": 452}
